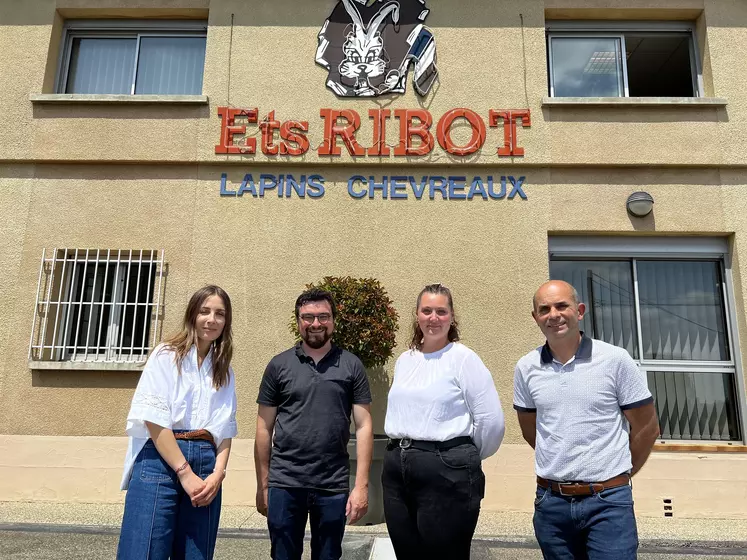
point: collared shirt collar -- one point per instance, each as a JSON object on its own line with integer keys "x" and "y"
{"x": 206, "y": 363}
{"x": 583, "y": 352}
{"x": 333, "y": 354}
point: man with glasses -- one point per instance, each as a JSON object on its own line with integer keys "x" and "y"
{"x": 585, "y": 408}
{"x": 305, "y": 401}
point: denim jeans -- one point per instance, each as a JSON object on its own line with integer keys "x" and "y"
{"x": 432, "y": 501}
{"x": 159, "y": 519}
{"x": 287, "y": 511}
{"x": 597, "y": 527}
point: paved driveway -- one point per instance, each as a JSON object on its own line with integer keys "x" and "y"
{"x": 44, "y": 542}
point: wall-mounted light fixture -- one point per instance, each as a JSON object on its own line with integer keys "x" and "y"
{"x": 640, "y": 204}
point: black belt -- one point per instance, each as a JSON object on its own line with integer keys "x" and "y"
{"x": 407, "y": 443}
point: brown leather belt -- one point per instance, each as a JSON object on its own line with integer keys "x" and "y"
{"x": 583, "y": 488}
{"x": 195, "y": 434}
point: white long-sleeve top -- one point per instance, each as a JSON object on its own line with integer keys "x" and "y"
{"x": 178, "y": 402}
{"x": 443, "y": 395}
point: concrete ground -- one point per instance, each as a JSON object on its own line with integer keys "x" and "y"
{"x": 51, "y": 531}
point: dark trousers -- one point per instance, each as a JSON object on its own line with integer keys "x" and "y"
{"x": 287, "y": 512}
{"x": 432, "y": 501}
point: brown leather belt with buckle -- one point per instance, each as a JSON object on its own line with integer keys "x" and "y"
{"x": 583, "y": 488}
{"x": 195, "y": 434}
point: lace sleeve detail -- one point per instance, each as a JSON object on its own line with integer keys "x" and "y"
{"x": 148, "y": 400}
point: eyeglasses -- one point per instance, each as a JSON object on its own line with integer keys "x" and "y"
{"x": 323, "y": 318}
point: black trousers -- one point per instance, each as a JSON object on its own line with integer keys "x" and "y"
{"x": 432, "y": 501}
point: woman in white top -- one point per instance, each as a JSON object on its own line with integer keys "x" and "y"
{"x": 443, "y": 417}
{"x": 181, "y": 422}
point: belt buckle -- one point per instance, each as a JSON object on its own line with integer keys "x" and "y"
{"x": 564, "y": 485}
{"x": 405, "y": 442}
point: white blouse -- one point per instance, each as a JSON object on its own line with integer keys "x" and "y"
{"x": 178, "y": 402}
{"x": 443, "y": 395}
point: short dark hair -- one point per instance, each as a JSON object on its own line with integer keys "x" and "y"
{"x": 314, "y": 295}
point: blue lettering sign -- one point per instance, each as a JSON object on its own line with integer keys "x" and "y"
{"x": 492, "y": 193}
{"x": 397, "y": 187}
{"x": 315, "y": 186}
{"x": 418, "y": 188}
{"x": 223, "y": 186}
{"x": 351, "y": 186}
{"x": 438, "y": 183}
{"x": 456, "y": 186}
{"x": 247, "y": 185}
{"x": 517, "y": 187}
{"x": 477, "y": 188}
{"x": 267, "y": 182}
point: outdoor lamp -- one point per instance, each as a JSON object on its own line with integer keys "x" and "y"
{"x": 640, "y": 204}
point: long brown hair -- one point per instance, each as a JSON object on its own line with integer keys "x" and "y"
{"x": 182, "y": 342}
{"x": 417, "y": 334}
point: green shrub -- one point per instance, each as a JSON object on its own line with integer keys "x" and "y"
{"x": 366, "y": 321}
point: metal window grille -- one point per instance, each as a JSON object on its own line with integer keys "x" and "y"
{"x": 97, "y": 305}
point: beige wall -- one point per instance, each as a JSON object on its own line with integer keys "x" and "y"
{"x": 263, "y": 251}
{"x": 140, "y": 176}
{"x": 272, "y": 68}
{"x": 89, "y": 470}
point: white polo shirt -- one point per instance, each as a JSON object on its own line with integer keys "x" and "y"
{"x": 582, "y": 434}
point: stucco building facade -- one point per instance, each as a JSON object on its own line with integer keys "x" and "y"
{"x": 121, "y": 194}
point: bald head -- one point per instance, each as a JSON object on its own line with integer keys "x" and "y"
{"x": 558, "y": 287}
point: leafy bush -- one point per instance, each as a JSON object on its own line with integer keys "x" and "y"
{"x": 366, "y": 321}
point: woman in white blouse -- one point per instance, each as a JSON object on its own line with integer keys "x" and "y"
{"x": 181, "y": 422}
{"x": 443, "y": 417}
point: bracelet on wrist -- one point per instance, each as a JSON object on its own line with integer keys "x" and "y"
{"x": 222, "y": 471}
{"x": 183, "y": 467}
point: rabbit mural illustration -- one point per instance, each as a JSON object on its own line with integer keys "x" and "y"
{"x": 367, "y": 46}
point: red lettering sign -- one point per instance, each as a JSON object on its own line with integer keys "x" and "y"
{"x": 415, "y": 136}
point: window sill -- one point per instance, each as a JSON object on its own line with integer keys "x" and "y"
{"x": 698, "y": 448}
{"x": 634, "y": 101}
{"x": 86, "y": 366}
{"x": 105, "y": 99}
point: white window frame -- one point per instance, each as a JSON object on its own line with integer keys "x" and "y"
{"x": 121, "y": 29}
{"x": 52, "y": 327}
{"x": 670, "y": 248}
{"x": 617, "y": 29}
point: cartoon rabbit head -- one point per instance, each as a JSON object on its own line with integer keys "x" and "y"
{"x": 364, "y": 45}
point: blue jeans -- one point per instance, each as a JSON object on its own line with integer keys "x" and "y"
{"x": 159, "y": 519}
{"x": 597, "y": 527}
{"x": 287, "y": 511}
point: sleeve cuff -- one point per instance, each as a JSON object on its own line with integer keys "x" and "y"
{"x": 136, "y": 422}
{"x": 229, "y": 431}
{"x": 523, "y": 409}
{"x": 637, "y": 404}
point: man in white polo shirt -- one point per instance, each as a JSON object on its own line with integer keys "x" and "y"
{"x": 585, "y": 408}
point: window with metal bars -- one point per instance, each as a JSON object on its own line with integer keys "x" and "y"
{"x": 97, "y": 305}
{"x": 670, "y": 311}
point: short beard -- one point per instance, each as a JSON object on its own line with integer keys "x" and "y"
{"x": 317, "y": 340}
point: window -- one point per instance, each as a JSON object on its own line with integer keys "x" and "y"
{"x": 96, "y": 305}
{"x": 667, "y": 303}
{"x": 132, "y": 57}
{"x": 586, "y": 60}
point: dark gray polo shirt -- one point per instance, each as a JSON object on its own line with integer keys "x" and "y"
{"x": 312, "y": 426}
